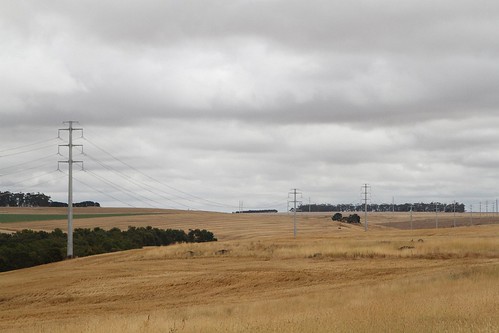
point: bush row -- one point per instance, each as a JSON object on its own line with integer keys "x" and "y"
{"x": 30, "y": 248}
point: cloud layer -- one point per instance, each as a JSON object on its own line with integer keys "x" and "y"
{"x": 243, "y": 100}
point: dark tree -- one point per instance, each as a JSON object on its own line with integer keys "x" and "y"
{"x": 354, "y": 218}
{"x": 337, "y": 217}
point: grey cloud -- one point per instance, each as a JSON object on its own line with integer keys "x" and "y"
{"x": 377, "y": 84}
{"x": 330, "y": 24}
{"x": 264, "y": 94}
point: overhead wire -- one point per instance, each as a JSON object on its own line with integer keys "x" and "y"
{"x": 101, "y": 192}
{"x": 24, "y": 163}
{"x": 26, "y": 169}
{"x": 132, "y": 181}
{"x": 195, "y": 199}
{"x": 37, "y": 176}
{"x": 29, "y": 144}
{"x": 120, "y": 188}
{"x": 213, "y": 203}
{"x": 26, "y": 151}
{"x": 199, "y": 200}
{"x": 44, "y": 182}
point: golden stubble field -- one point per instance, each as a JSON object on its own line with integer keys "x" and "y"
{"x": 257, "y": 278}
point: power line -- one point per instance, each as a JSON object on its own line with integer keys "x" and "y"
{"x": 24, "y": 163}
{"x": 154, "y": 189}
{"x": 37, "y": 176}
{"x": 213, "y": 203}
{"x": 132, "y": 181}
{"x": 27, "y": 151}
{"x": 365, "y": 192}
{"x": 124, "y": 190}
{"x": 26, "y": 169}
{"x": 27, "y": 145}
{"x": 102, "y": 192}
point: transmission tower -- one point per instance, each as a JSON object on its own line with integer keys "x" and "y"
{"x": 70, "y": 163}
{"x": 471, "y": 214}
{"x": 454, "y": 209}
{"x": 366, "y": 193}
{"x": 294, "y": 192}
{"x": 436, "y": 215}
{"x": 412, "y": 206}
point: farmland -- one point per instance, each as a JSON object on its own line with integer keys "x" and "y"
{"x": 258, "y": 278}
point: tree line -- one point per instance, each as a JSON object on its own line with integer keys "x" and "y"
{"x": 28, "y": 248}
{"x": 405, "y": 207}
{"x": 9, "y": 199}
{"x": 255, "y": 211}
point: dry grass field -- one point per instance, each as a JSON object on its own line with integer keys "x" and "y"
{"x": 332, "y": 278}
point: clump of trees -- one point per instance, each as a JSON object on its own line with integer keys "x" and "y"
{"x": 30, "y": 248}
{"x": 352, "y": 218}
{"x": 9, "y": 199}
{"x": 76, "y": 204}
{"x": 255, "y": 211}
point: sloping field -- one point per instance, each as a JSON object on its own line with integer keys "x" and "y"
{"x": 332, "y": 278}
{"x": 225, "y": 226}
{"x": 234, "y": 226}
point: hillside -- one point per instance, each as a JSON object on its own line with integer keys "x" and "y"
{"x": 259, "y": 279}
{"x": 225, "y": 226}
{"x": 233, "y": 226}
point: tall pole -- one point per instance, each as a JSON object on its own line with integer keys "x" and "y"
{"x": 365, "y": 192}
{"x": 411, "y": 217}
{"x": 454, "y": 213}
{"x": 471, "y": 214}
{"x": 436, "y": 215}
{"x": 294, "y": 215}
{"x": 294, "y": 192}
{"x": 70, "y": 192}
{"x": 70, "y": 162}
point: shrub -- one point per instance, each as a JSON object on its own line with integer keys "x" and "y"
{"x": 354, "y": 218}
{"x": 337, "y": 217}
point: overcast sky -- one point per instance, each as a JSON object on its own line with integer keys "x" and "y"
{"x": 203, "y": 104}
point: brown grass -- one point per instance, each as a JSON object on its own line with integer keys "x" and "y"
{"x": 326, "y": 280}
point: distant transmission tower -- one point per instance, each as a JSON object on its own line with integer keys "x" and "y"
{"x": 294, "y": 192}
{"x": 454, "y": 209}
{"x": 471, "y": 214}
{"x": 436, "y": 215}
{"x": 411, "y": 214}
{"x": 70, "y": 162}
{"x": 366, "y": 192}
